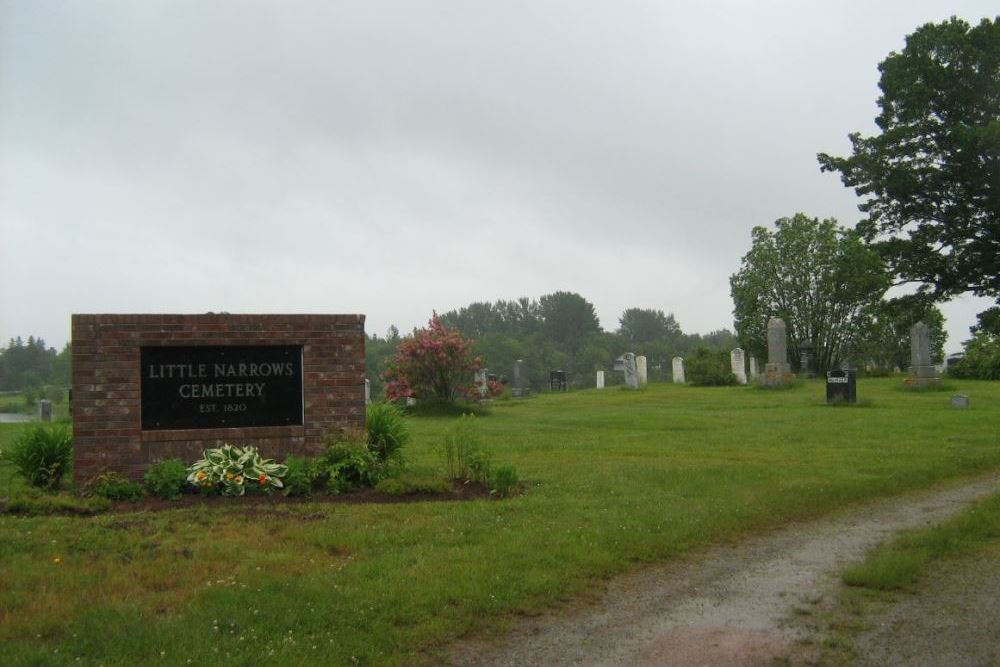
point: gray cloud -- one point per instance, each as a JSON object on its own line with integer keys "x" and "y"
{"x": 394, "y": 158}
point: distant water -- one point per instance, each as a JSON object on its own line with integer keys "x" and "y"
{"x": 14, "y": 418}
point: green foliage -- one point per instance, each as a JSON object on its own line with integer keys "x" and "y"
{"x": 166, "y": 479}
{"x": 646, "y": 325}
{"x": 113, "y": 486}
{"x": 819, "y": 278}
{"x": 885, "y": 343}
{"x": 32, "y": 364}
{"x": 503, "y": 481}
{"x": 301, "y": 476}
{"x": 706, "y": 368}
{"x": 928, "y": 180}
{"x": 466, "y": 454}
{"x": 386, "y": 431}
{"x": 981, "y": 360}
{"x": 232, "y": 470}
{"x": 33, "y": 503}
{"x": 42, "y": 454}
{"x": 349, "y": 465}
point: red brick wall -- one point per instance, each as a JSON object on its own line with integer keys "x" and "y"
{"x": 107, "y": 432}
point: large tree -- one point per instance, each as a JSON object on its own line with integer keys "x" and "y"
{"x": 647, "y": 325}
{"x": 820, "y": 278}
{"x": 885, "y": 343}
{"x": 930, "y": 178}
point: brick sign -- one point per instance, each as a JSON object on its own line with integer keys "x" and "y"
{"x": 152, "y": 387}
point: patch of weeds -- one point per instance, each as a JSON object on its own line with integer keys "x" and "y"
{"x": 113, "y": 486}
{"x": 349, "y": 465}
{"x": 504, "y": 481}
{"x": 166, "y": 479}
{"x": 406, "y": 485}
{"x": 466, "y": 455}
{"x": 33, "y": 503}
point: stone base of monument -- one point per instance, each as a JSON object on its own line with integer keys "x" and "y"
{"x": 922, "y": 376}
{"x": 776, "y": 375}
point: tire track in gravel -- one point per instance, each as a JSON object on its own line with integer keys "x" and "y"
{"x": 725, "y": 605}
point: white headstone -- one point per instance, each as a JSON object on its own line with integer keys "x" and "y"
{"x": 922, "y": 372}
{"x": 631, "y": 372}
{"x": 678, "y": 370}
{"x": 737, "y": 361}
{"x": 640, "y": 367}
{"x": 480, "y": 382}
{"x": 753, "y": 368}
{"x": 600, "y": 379}
{"x": 410, "y": 401}
{"x": 368, "y": 391}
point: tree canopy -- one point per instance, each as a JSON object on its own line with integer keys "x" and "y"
{"x": 820, "y": 278}
{"x": 930, "y": 179}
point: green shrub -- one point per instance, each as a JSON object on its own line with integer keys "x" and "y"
{"x": 232, "y": 470}
{"x": 503, "y": 481}
{"x": 406, "y": 485}
{"x": 706, "y": 368}
{"x": 166, "y": 479}
{"x": 349, "y": 465}
{"x": 466, "y": 454}
{"x": 42, "y": 454}
{"x": 386, "y": 431}
{"x": 33, "y": 503}
{"x": 300, "y": 480}
{"x": 981, "y": 360}
{"x": 113, "y": 486}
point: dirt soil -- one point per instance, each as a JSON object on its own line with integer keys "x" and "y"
{"x": 725, "y": 606}
{"x": 459, "y": 491}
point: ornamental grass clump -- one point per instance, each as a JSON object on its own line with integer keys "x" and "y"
{"x": 386, "y": 431}
{"x": 42, "y": 454}
{"x": 233, "y": 470}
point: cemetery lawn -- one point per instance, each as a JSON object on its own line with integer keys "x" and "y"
{"x": 613, "y": 479}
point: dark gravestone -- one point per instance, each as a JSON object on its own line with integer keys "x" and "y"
{"x": 807, "y": 360}
{"x": 220, "y": 386}
{"x": 841, "y": 387}
{"x": 557, "y": 380}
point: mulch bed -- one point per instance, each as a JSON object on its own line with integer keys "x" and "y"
{"x": 459, "y": 492}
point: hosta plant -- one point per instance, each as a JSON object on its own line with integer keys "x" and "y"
{"x": 232, "y": 470}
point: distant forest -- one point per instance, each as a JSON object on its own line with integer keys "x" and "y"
{"x": 559, "y": 331}
{"x": 27, "y": 365}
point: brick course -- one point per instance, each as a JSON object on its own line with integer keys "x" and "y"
{"x": 107, "y": 432}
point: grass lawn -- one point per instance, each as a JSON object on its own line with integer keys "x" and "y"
{"x": 614, "y": 478}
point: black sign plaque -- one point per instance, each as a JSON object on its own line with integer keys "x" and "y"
{"x": 221, "y": 386}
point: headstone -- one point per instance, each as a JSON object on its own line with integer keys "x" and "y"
{"x": 631, "y": 371}
{"x": 519, "y": 382}
{"x": 678, "y": 370}
{"x": 841, "y": 386}
{"x": 480, "y": 382}
{"x": 922, "y": 372}
{"x": 737, "y": 362}
{"x": 45, "y": 410}
{"x": 807, "y": 360}
{"x": 410, "y": 401}
{"x": 777, "y": 371}
{"x": 619, "y": 364}
{"x": 960, "y": 401}
{"x": 600, "y": 379}
{"x": 368, "y": 391}
{"x": 640, "y": 367}
{"x": 557, "y": 380}
{"x": 753, "y": 369}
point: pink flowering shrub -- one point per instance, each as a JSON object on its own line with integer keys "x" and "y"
{"x": 435, "y": 363}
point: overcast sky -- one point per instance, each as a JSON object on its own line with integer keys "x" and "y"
{"x": 395, "y": 158}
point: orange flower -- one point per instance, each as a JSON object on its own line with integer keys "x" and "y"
{"x": 262, "y": 480}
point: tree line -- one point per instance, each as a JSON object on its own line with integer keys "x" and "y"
{"x": 558, "y": 331}
{"x": 31, "y": 364}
